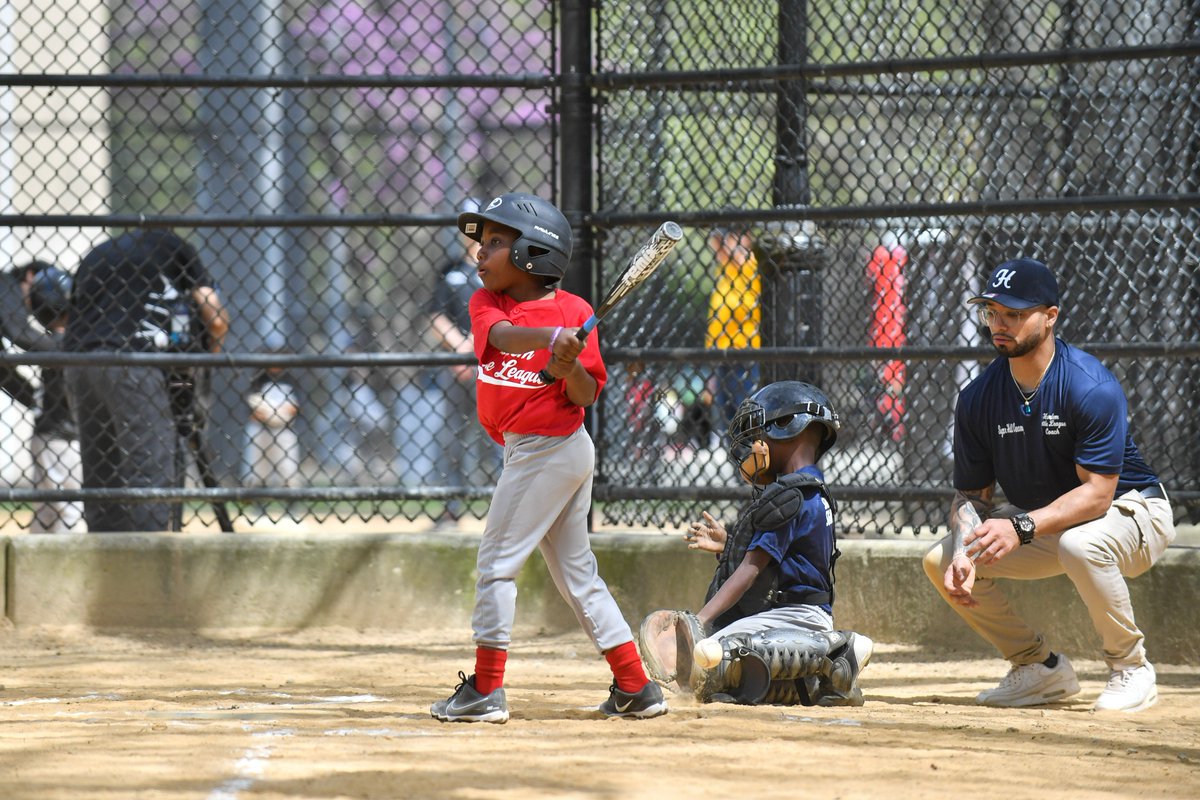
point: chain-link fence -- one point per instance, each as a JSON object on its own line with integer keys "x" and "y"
{"x": 846, "y": 174}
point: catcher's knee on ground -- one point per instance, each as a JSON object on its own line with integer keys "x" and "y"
{"x": 783, "y": 666}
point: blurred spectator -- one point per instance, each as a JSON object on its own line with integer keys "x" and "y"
{"x": 44, "y": 290}
{"x": 735, "y": 314}
{"x": 143, "y": 291}
{"x": 272, "y": 456}
{"x": 361, "y": 446}
{"x": 889, "y": 312}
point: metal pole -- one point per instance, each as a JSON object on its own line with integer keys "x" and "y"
{"x": 576, "y": 126}
{"x": 575, "y": 106}
{"x": 791, "y": 253}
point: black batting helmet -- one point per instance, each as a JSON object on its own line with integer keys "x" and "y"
{"x": 781, "y": 411}
{"x": 544, "y": 244}
{"x": 50, "y": 292}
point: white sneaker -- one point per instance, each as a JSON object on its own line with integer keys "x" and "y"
{"x": 1129, "y": 690}
{"x": 1033, "y": 685}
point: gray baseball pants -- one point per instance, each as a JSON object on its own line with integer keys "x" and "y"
{"x": 541, "y": 501}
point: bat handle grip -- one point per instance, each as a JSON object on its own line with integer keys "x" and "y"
{"x": 581, "y": 335}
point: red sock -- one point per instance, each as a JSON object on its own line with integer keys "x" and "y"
{"x": 626, "y": 667}
{"x": 489, "y": 669}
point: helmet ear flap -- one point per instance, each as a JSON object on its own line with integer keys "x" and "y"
{"x": 537, "y": 260}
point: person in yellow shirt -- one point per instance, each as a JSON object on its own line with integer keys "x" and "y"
{"x": 734, "y": 318}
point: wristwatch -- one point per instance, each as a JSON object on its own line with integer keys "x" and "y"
{"x": 1025, "y": 527}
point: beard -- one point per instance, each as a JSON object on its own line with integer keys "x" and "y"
{"x": 1020, "y": 347}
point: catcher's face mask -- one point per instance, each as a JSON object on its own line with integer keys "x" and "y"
{"x": 747, "y": 441}
{"x": 753, "y": 468}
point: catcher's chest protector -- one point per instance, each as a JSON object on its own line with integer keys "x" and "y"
{"x": 779, "y": 503}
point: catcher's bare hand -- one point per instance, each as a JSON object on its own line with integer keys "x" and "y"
{"x": 960, "y": 580}
{"x": 708, "y": 534}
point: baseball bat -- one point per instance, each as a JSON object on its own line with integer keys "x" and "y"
{"x": 647, "y": 259}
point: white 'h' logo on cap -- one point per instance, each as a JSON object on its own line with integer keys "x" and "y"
{"x": 1003, "y": 276}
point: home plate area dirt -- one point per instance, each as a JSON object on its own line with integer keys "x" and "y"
{"x": 336, "y": 713}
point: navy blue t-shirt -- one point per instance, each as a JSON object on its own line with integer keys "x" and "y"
{"x": 803, "y": 547}
{"x": 1077, "y": 416}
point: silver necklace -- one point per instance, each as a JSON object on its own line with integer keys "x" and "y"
{"x": 1028, "y": 398}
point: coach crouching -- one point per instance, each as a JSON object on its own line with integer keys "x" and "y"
{"x": 1047, "y": 423}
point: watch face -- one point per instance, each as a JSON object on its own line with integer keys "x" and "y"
{"x": 1024, "y": 526}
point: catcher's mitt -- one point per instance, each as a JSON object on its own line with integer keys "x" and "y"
{"x": 667, "y": 640}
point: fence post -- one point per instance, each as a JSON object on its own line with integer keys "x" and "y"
{"x": 792, "y": 254}
{"x": 576, "y": 120}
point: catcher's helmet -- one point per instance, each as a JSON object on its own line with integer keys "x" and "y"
{"x": 781, "y": 411}
{"x": 50, "y": 293}
{"x": 544, "y": 244}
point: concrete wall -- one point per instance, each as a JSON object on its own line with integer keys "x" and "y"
{"x": 269, "y": 581}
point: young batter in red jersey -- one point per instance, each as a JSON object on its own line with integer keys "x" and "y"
{"x": 522, "y": 323}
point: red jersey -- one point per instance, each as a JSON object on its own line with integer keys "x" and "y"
{"x": 510, "y": 394}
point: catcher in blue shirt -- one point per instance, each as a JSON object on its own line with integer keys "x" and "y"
{"x": 1047, "y": 423}
{"x": 765, "y": 634}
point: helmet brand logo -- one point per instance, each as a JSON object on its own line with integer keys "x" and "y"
{"x": 551, "y": 234}
{"x": 494, "y": 204}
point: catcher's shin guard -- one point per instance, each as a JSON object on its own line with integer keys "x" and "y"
{"x": 785, "y": 693}
{"x": 849, "y": 654}
{"x": 786, "y": 666}
{"x": 740, "y": 677}
{"x": 792, "y": 653}
{"x": 837, "y": 657}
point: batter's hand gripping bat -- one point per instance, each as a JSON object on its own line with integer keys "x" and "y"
{"x": 643, "y": 263}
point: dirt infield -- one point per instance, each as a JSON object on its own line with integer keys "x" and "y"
{"x": 344, "y": 714}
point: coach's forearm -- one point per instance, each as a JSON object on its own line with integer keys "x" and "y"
{"x": 1090, "y": 500}
{"x": 965, "y": 515}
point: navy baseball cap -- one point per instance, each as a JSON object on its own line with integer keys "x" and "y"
{"x": 1020, "y": 283}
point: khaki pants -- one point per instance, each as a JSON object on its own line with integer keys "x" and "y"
{"x": 1097, "y": 556}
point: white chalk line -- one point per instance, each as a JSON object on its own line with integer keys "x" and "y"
{"x": 249, "y": 767}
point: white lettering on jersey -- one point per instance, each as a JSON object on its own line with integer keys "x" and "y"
{"x": 509, "y": 372}
{"x": 1011, "y": 427}
{"x": 1052, "y": 424}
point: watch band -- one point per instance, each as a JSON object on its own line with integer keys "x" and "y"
{"x": 1025, "y": 527}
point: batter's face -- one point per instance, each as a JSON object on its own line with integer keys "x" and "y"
{"x": 496, "y": 269}
{"x": 472, "y": 248}
{"x": 1019, "y": 331}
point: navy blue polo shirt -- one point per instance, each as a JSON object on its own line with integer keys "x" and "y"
{"x": 1078, "y": 416}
